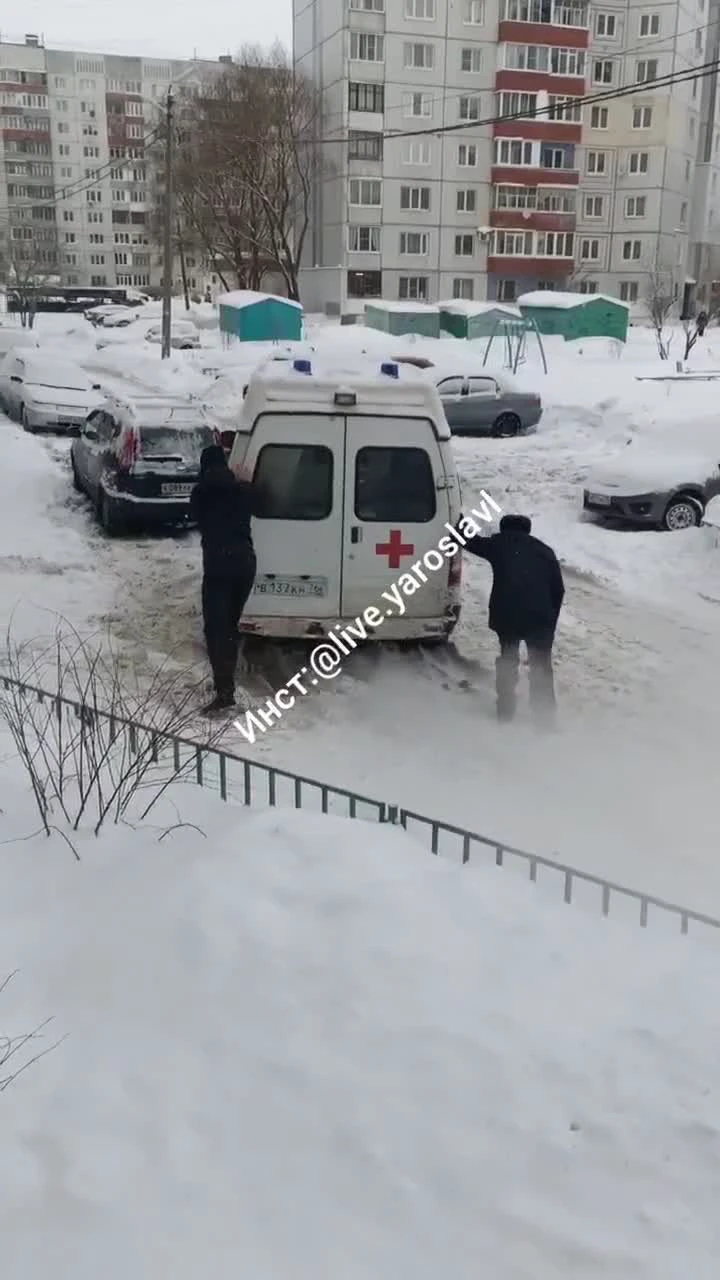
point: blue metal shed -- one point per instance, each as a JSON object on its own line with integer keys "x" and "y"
{"x": 259, "y": 317}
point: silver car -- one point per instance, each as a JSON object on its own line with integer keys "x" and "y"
{"x": 487, "y": 405}
{"x": 656, "y": 492}
{"x": 46, "y": 393}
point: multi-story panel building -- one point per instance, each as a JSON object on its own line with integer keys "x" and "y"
{"x": 556, "y": 193}
{"x": 74, "y": 182}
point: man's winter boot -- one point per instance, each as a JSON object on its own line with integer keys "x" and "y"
{"x": 221, "y": 702}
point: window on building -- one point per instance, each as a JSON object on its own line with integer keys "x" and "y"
{"x": 465, "y": 246}
{"x": 519, "y": 105}
{"x": 567, "y": 62}
{"x": 638, "y": 162}
{"x": 646, "y": 70}
{"x": 365, "y": 191}
{"x": 691, "y": 127}
{"x": 471, "y": 60}
{"x": 650, "y": 24}
{"x": 469, "y": 108}
{"x": 588, "y": 286}
{"x": 418, "y": 153}
{"x": 466, "y": 200}
{"x": 474, "y": 13}
{"x": 368, "y": 6}
{"x": 414, "y": 244}
{"x": 567, "y": 110}
{"x": 593, "y": 206}
{"x": 511, "y": 197}
{"x": 602, "y": 71}
{"x": 629, "y": 290}
{"x": 513, "y": 244}
{"x": 605, "y": 26}
{"x": 366, "y": 97}
{"x": 554, "y": 244}
{"x": 415, "y": 198}
{"x": 687, "y": 167}
{"x": 589, "y": 250}
{"x": 418, "y": 105}
{"x": 420, "y": 10}
{"x": 555, "y": 157}
{"x": 598, "y": 117}
{"x": 635, "y": 206}
{"x": 365, "y": 146}
{"x": 413, "y": 289}
{"x": 419, "y": 57}
{"x": 366, "y": 46}
{"x": 512, "y": 151}
{"x": 363, "y": 239}
{"x": 642, "y": 117}
{"x": 467, "y": 155}
{"x": 463, "y": 288}
{"x": 595, "y": 162}
{"x": 683, "y": 213}
{"x": 506, "y": 290}
{"x": 632, "y": 250}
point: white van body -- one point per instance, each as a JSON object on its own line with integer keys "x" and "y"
{"x": 330, "y": 448}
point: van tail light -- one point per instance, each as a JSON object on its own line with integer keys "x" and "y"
{"x": 455, "y": 571}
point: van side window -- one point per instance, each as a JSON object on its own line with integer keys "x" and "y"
{"x": 297, "y": 481}
{"x": 394, "y": 484}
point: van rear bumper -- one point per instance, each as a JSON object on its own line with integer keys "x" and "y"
{"x": 391, "y": 629}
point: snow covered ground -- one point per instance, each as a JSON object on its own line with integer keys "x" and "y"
{"x": 626, "y": 788}
{"x": 295, "y": 1046}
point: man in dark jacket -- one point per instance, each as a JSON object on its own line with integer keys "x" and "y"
{"x": 221, "y": 504}
{"x": 525, "y": 603}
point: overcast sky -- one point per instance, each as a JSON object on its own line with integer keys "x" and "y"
{"x": 176, "y": 29}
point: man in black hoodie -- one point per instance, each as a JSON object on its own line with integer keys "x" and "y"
{"x": 525, "y": 602}
{"x": 221, "y": 505}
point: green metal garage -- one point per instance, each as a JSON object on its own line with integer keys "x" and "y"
{"x": 576, "y": 315}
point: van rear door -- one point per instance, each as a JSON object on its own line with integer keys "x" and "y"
{"x": 297, "y": 459}
{"x": 394, "y": 513}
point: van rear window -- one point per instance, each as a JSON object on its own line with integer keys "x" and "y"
{"x": 394, "y": 484}
{"x": 297, "y": 481}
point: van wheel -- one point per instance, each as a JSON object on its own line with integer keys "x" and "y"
{"x": 507, "y": 424}
{"x": 24, "y": 422}
{"x": 683, "y": 512}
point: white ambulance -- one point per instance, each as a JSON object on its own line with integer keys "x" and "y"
{"x": 360, "y": 483}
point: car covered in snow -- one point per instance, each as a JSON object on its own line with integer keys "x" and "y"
{"x": 658, "y": 491}
{"x": 137, "y": 460}
{"x": 487, "y": 404}
{"x": 46, "y": 393}
{"x": 12, "y": 338}
{"x": 183, "y": 335}
{"x": 112, "y": 317}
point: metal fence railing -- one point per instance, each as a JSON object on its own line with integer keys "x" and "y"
{"x": 252, "y": 782}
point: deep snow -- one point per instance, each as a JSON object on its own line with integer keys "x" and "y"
{"x": 626, "y": 788}
{"x": 294, "y": 1046}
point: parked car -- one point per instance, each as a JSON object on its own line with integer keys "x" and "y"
{"x": 13, "y": 338}
{"x": 97, "y": 314}
{"x": 117, "y": 317}
{"x": 487, "y": 405}
{"x": 138, "y": 460}
{"x": 46, "y": 393}
{"x": 183, "y": 335}
{"x": 651, "y": 491}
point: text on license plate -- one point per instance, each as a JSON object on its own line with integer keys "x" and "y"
{"x": 176, "y": 490}
{"x": 291, "y": 587}
{"x": 599, "y": 499}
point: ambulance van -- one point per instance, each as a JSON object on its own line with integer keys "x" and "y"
{"x": 360, "y": 483}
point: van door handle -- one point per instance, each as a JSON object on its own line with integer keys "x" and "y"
{"x": 356, "y": 533}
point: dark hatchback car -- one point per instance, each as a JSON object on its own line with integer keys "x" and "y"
{"x": 138, "y": 465}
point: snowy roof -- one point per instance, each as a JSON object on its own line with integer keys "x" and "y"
{"x": 402, "y": 307}
{"x": 240, "y": 298}
{"x": 462, "y": 307}
{"x": 564, "y": 301}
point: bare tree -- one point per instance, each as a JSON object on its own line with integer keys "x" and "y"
{"x": 246, "y": 163}
{"x": 660, "y": 300}
{"x": 17, "y": 1053}
{"x": 24, "y": 272}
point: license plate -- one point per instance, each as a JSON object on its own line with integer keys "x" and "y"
{"x": 598, "y": 499}
{"x": 292, "y": 587}
{"x": 176, "y": 490}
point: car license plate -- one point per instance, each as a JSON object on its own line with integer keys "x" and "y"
{"x": 598, "y": 499}
{"x": 293, "y": 587}
{"x": 176, "y": 490}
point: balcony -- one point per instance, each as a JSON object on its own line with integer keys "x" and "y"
{"x": 533, "y": 219}
{"x": 547, "y": 268}
{"x": 569, "y": 15}
{"x": 532, "y": 175}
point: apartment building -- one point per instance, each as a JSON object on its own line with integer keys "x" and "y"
{"x": 592, "y": 197}
{"x": 74, "y": 183}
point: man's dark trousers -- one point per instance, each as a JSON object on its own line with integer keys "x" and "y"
{"x": 542, "y": 684}
{"x": 223, "y": 600}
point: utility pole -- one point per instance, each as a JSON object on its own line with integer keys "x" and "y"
{"x": 168, "y": 255}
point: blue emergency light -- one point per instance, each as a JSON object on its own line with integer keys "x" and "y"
{"x": 390, "y": 369}
{"x": 302, "y": 366}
